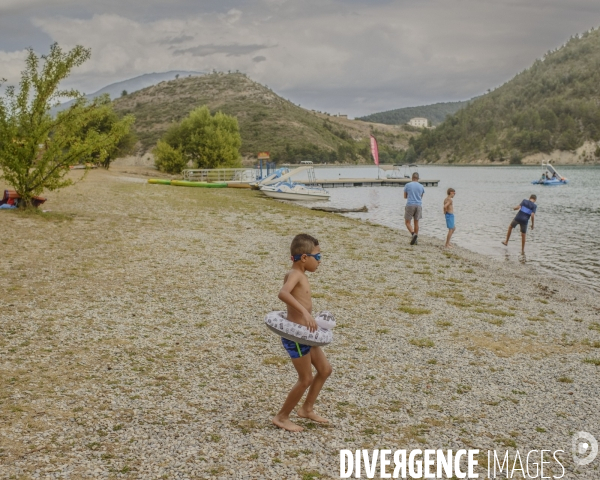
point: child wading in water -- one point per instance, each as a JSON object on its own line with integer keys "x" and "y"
{"x": 449, "y": 214}
{"x": 306, "y": 255}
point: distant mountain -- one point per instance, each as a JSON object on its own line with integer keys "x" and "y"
{"x": 552, "y": 106}
{"x": 132, "y": 85}
{"x": 267, "y": 121}
{"x": 435, "y": 113}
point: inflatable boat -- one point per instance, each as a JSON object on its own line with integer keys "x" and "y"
{"x": 550, "y": 176}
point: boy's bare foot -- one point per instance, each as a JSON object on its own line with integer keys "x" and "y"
{"x": 286, "y": 424}
{"x": 504, "y": 243}
{"x": 312, "y": 415}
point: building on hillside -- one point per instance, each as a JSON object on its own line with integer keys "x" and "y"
{"x": 418, "y": 122}
{"x": 341, "y": 115}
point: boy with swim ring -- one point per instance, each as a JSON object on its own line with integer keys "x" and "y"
{"x": 295, "y": 293}
{"x": 449, "y": 214}
{"x": 527, "y": 210}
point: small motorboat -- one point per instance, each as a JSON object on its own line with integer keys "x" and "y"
{"x": 550, "y": 176}
{"x": 295, "y": 191}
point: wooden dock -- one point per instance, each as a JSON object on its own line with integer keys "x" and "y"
{"x": 371, "y": 182}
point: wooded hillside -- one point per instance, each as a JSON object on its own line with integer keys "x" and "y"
{"x": 267, "y": 121}
{"x": 554, "y": 104}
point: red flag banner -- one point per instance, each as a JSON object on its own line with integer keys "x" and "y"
{"x": 374, "y": 150}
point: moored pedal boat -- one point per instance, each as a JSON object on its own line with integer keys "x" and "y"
{"x": 294, "y": 191}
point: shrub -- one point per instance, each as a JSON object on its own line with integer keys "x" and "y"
{"x": 168, "y": 159}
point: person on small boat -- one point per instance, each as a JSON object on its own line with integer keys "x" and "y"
{"x": 527, "y": 210}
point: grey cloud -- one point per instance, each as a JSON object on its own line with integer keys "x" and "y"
{"x": 176, "y": 40}
{"x": 349, "y": 56}
{"x": 233, "y": 50}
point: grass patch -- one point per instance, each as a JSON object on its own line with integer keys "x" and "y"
{"x": 594, "y": 326}
{"x": 529, "y": 333}
{"x": 454, "y": 280}
{"x": 506, "y": 442}
{"x": 310, "y": 475}
{"x": 565, "y": 379}
{"x": 414, "y": 310}
{"x": 495, "y": 321}
{"x": 463, "y": 388}
{"x": 436, "y": 294}
{"x": 421, "y": 342}
{"x": 592, "y": 361}
{"x": 443, "y": 323}
{"x": 274, "y": 360}
{"x": 494, "y": 311}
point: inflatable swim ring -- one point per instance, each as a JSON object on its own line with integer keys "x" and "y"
{"x": 278, "y": 323}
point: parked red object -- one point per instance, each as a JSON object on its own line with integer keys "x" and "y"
{"x": 12, "y": 198}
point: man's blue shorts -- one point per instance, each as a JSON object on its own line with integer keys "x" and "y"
{"x": 296, "y": 350}
{"x": 450, "y": 220}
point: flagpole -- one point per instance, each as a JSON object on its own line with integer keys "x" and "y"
{"x": 375, "y": 153}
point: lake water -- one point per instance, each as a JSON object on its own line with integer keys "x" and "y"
{"x": 566, "y": 238}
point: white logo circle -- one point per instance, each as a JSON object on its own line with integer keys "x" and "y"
{"x": 580, "y": 448}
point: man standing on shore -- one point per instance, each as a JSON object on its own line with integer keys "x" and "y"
{"x": 413, "y": 192}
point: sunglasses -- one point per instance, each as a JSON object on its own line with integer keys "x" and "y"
{"x": 316, "y": 256}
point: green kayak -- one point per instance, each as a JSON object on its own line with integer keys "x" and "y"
{"x": 184, "y": 183}
{"x": 159, "y": 181}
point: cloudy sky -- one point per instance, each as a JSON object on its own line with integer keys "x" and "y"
{"x": 341, "y": 56}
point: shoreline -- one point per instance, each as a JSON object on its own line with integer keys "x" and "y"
{"x": 132, "y": 340}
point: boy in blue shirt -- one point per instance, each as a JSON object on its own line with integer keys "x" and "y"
{"x": 413, "y": 192}
{"x": 527, "y": 210}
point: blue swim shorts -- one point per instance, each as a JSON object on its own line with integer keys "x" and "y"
{"x": 450, "y": 220}
{"x": 296, "y": 350}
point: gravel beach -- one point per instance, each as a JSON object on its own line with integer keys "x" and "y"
{"x": 132, "y": 342}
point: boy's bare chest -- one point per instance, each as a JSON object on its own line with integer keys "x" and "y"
{"x": 303, "y": 288}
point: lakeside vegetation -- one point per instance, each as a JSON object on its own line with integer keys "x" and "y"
{"x": 208, "y": 141}
{"x": 553, "y": 105}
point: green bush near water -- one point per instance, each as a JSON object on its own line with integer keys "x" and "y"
{"x": 208, "y": 141}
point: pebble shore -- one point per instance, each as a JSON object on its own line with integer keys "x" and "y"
{"x": 132, "y": 342}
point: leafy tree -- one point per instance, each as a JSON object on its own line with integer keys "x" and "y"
{"x": 104, "y": 122}
{"x": 168, "y": 159}
{"x": 36, "y": 150}
{"x": 124, "y": 93}
{"x": 410, "y": 156}
{"x": 209, "y": 141}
